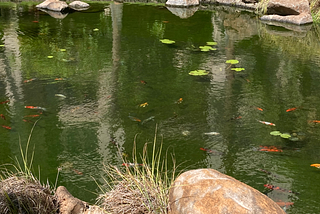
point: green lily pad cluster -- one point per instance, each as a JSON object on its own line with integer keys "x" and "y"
{"x": 283, "y": 135}
{"x": 207, "y": 48}
{"x": 211, "y": 43}
{"x": 167, "y": 41}
{"x": 198, "y": 73}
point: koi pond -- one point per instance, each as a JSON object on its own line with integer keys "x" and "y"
{"x": 90, "y": 81}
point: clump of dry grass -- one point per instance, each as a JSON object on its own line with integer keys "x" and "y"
{"x": 19, "y": 194}
{"x": 139, "y": 188}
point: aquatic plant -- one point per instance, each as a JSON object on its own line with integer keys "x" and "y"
{"x": 211, "y": 43}
{"x": 207, "y": 48}
{"x": 315, "y": 10}
{"x": 141, "y": 187}
{"x": 237, "y": 69}
{"x": 198, "y": 73}
{"x": 232, "y": 61}
{"x": 167, "y": 41}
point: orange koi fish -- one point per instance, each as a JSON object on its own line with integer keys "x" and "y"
{"x": 77, "y": 171}
{"x": 29, "y": 80}
{"x": 314, "y": 121}
{"x": 260, "y": 109}
{"x": 35, "y": 107}
{"x": 267, "y": 123}
{"x": 6, "y": 127}
{"x": 2, "y": 116}
{"x": 35, "y": 21}
{"x": 179, "y": 101}
{"x": 58, "y": 79}
{"x": 143, "y": 82}
{"x": 272, "y": 187}
{"x": 284, "y": 204}
{"x": 3, "y": 102}
{"x": 270, "y": 149}
{"x": 165, "y": 21}
{"x": 132, "y": 164}
{"x": 143, "y": 104}
{"x": 316, "y": 165}
{"x": 33, "y": 115}
{"x": 134, "y": 119}
{"x": 291, "y": 109}
{"x": 27, "y": 121}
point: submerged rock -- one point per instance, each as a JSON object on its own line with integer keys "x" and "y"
{"x": 182, "y": 3}
{"x": 205, "y": 191}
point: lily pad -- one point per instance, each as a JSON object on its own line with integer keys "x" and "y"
{"x": 207, "y": 48}
{"x": 232, "y": 61}
{"x": 50, "y": 57}
{"x": 96, "y": 29}
{"x": 211, "y": 43}
{"x": 237, "y": 69}
{"x": 199, "y": 73}
{"x": 285, "y": 135}
{"x": 63, "y": 50}
{"x": 167, "y": 41}
{"x": 275, "y": 133}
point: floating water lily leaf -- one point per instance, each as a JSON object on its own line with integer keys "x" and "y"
{"x": 96, "y": 29}
{"x": 275, "y": 133}
{"x": 211, "y": 43}
{"x": 50, "y": 57}
{"x": 237, "y": 69}
{"x": 63, "y": 50}
{"x": 199, "y": 73}
{"x": 167, "y": 41}
{"x": 285, "y": 135}
{"x": 207, "y": 48}
{"x": 232, "y": 61}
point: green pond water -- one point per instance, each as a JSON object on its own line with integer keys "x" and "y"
{"x": 105, "y": 62}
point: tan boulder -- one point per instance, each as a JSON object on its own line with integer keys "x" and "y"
{"x": 295, "y": 12}
{"x": 207, "y": 191}
{"x": 79, "y": 5}
{"x": 182, "y": 3}
{"x": 57, "y": 6}
{"x": 44, "y": 4}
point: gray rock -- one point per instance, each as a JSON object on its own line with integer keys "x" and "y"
{"x": 57, "y": 6}
{"x": 182, "y": 3}
{"x": 79, "y": 5}
{"x": 44, "y": 4}
{"x": 183, "y": 13}
{"x": 295, "y": 12}
{"x": 207, "y": 191}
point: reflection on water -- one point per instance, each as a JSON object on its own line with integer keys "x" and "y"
{"x": 107, "y": 61}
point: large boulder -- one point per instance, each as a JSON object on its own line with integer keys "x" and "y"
{"x": 295, "y": 12}
{"x": 182, "y": 3}
{"x": 57, "y": 6}
{"x": 207, "y": 191}
{"x": 44, "y": 4}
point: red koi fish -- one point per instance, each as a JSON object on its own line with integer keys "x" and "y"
{"x": 35, "y": 107}
{"x": 260, "y": 109}
{"x": 134, "y": 119}
{"x": 6, "y": 127}
{"x": 26, "y": 81}
{"x": 291, "y": 109}
{"x": 211, "y": 151}
{"x": 284, "y": 204}
{"x": 2, "y": 116}
{"x": 267, "y": 123}
{"x": 35, "y": 21}
{"x": 77, "y": 171}
{"x": 270, "y": 149}
{"x": 3, "y": 102}
{"x": 143, "y": 82}
{"x": 132, "y": 164}
{"x": 272, "y": 187}
{"x": 27, "y": 121}
{"x": 33, "y": 115}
